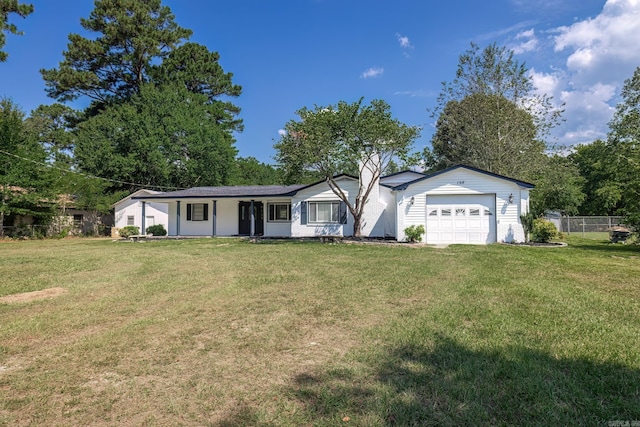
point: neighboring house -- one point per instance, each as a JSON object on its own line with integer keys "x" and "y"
{"x": 131, "y": 211}
{"x": 461, "y": 204}
{"x": 81, "y": 222}
{"x": 67, "y": 218}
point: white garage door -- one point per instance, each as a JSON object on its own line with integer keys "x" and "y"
{"x": 461, "y": 219}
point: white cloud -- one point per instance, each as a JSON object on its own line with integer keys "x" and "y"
{"x": 604, "y": 48}
{"x": 587, "y": 110}
{"x": 372, "y": 73}
{"x": 491, "y": 36}
{"x": 527, "y": 42}
{"x": 595, "y": 55}
{"x": 405, "y": 44}
{"x": 587, "y": 114}
{"x": 282, "y": 132}
{"x": 526, "y": 34}
{"x": 415, "y": 93}
{"x": 404, "y": 41}
{"x": 546, "y": 83}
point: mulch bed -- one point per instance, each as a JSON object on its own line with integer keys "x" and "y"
{"x": 540, "y": 245}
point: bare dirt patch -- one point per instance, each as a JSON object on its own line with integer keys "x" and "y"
{"x": 33, "y": 296}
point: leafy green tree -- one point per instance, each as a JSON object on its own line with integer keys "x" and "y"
{"x": 392, "y": 167}
{"x": 52, "y": 126}
{"x": 163, "y": 136}
{"x": 598, "y": 166}
{"x": 342, "y": 138}
{"x": 25, "y": 183}
{"x": 7, "y": 7}
{"x": 131, "y": 35}
{"x": 250, "y": 171}
{"x": 489, "y": 116}
{"x": 489, "y": 132}
{"x": 624, "y": 141}
{"x": 90, "y": 194}
{"x": 160, "y": 112}
{"x": 558, "y": 187}
{"x": 199, "y": 70}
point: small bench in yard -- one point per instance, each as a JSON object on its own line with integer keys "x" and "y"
{"x": 330, "y": 239}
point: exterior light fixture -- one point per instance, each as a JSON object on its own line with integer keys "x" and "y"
{"x": 412, "y": 200}
{"x": 511, "y": 198}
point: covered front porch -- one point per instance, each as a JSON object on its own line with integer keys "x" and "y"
{"x": 269, "y": 217}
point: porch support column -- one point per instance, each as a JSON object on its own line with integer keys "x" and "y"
{"x": 178, "y": 218}
{"x": 144, "y": 217}
{"x": 253, "y": 219}
{"x": 215, "y": 214}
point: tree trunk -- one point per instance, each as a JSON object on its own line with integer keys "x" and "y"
{"x": 357, "y": 226}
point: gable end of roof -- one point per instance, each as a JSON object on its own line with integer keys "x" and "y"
{"x": 523, "y": 184}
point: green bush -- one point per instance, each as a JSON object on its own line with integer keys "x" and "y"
{"x": 527, "y": 223}
{"x": 129, "y": 230}
{"x": 414, "y": 233}
{"x": 157, "y": 230}
{"x": 543, "y": 231}
{"x": 62, "y": 233}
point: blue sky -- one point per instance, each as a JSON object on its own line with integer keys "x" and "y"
{"x": 287, "y": 54}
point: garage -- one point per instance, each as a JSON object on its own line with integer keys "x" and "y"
{"x": 461, "y": 218}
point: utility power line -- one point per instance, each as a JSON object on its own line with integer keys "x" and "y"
{"x": 50, "y": 166}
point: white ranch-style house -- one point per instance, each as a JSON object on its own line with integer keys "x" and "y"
{"x": 130, "y": 211}
{"x": 461, "y": 204}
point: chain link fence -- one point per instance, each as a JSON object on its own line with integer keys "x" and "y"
{"x": 52, "y": 230}
{"x": 25, "y": 231}
{"x": 585, "y": 224}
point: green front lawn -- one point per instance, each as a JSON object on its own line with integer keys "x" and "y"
{"x": 224, "y": 332}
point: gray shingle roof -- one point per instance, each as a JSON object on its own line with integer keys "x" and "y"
{"x": 231, "y": 191}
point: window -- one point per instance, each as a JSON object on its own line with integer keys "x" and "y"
{"x": 461, "y": 211}
{"x": 279, "y": 212}
{"x": 434, "y": 212}
{"x": 130, "y": 220}
{"x": 474, "y": 212}
{"x": 77, "y": 220}
{"x": 324, "y": 212}
{"x": 445, "y": 212}
{"x": 197, "y": 211}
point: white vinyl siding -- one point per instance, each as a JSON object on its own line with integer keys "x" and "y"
{"x": 465, "y": 182}
{"x": 373, "y": 222}
{"x": 128, "y": 211}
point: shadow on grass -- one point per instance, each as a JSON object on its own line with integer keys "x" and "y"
{"x": 243, "y": 415}
{"x": 605, "y": 246}
{"x": 449, "y": 384}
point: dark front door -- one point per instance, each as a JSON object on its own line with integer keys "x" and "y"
{"x": 244, "y": 213}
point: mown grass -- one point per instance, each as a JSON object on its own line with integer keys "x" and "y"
{"x": 224, "y": 332}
